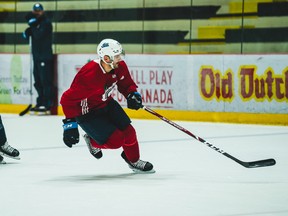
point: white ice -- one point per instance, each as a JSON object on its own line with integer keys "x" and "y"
{"x": 191, "y": 179}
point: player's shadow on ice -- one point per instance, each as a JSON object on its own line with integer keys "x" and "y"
{"x": 103, "y": 177}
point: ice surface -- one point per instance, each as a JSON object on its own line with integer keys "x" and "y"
{"x": 191, "y": 179}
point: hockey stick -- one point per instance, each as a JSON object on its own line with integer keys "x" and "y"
{"x": 31, "y": 71}
{"x": 252, "y": 164}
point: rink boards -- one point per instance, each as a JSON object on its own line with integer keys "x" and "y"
{"x": 225, "y": 88}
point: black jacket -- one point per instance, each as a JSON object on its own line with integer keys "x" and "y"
{"x": 41, "y": 32}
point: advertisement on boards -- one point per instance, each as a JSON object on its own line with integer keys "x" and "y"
{"x": 246, "y": 83}
{"x": 16, "y": 80}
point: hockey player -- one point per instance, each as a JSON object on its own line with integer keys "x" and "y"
{"x": 88, "y": 102}
{"x": 40, "y": 30}
{"x": 5, "y": 148}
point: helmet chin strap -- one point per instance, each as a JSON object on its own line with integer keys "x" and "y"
{"x": 111, "y": 63}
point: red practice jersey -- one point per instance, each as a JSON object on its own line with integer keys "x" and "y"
{"x": 92, "y": 87}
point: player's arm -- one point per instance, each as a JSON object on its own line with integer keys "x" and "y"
{"x": 128, "y": 88}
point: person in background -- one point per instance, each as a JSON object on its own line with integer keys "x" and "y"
{"x": 88, "y": 102}
{"x": 5, "y": 149}
{"x": 40, "y": 31}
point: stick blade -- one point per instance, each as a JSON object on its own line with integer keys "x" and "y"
{"x": 25, "y": 111}
{"x": 260, "y": 163}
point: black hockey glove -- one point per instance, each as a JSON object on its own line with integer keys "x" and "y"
{"x": 27, "y": 33}
{"x": 33, "y": 22}
{"x": 71, "y": 133}
{"x": 134, "y": 101}
{"x": 29, "y": 16}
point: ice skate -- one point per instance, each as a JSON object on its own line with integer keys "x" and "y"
{"x": 8, "y": 151}
{"x": 140, "y": 166}
{"x": 2, "y": 160}
{"x": 96, "y": 152}
{"x": 39, "y": 110}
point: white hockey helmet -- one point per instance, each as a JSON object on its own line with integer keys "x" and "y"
{"x": 110, "y": 48}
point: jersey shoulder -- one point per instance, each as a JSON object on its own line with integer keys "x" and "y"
{"x": 89, "y": 73}
{"x": 122, "y": 67}
{"x": 90, "y": 67}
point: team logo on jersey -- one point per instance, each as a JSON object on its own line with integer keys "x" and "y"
{"x": 108, "y": 91}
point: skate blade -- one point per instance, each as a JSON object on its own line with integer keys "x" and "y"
{"x": 143, "y": 172}
{"x": 5, "y": 155}
{"x": 39, "y": 113}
